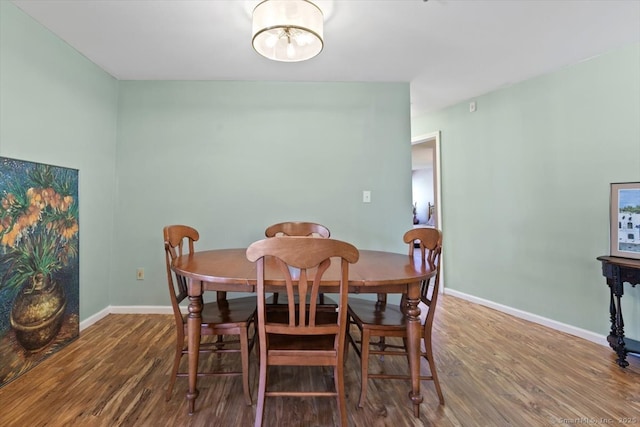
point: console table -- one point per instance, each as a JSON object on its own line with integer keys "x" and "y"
{"x": 617, "y": 271}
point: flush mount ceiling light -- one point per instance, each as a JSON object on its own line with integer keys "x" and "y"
{"x": 287, "y": 30}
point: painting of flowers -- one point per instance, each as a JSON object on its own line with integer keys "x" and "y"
{"x": 39, "y": 263}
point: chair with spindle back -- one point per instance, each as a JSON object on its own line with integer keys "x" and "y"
{"x": 219, "y": 318}
{"x": 297, "y": 228}
{"x": 379, "y": 319}
{"x": 305, "y": 335}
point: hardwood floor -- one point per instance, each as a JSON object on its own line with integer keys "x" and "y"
{"x": 495, "y": 370}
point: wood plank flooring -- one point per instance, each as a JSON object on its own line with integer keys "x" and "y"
{"x": 495, "y": 370}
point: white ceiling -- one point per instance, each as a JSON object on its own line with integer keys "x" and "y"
{"x": 449, "y": 50}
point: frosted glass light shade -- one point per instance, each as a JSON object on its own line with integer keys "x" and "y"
{"x": 287, "y": 30}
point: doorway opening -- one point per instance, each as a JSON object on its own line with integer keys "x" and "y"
{"x": 425, "y": 180}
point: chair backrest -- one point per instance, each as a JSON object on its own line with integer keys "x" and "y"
{"x": 296, "y": 228}
{"x": 178, "y": 241}
{"x": 302, "y": 261}
{"x": 429, "y": 241}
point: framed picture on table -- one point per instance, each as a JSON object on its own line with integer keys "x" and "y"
{"x": 625, "y": 220}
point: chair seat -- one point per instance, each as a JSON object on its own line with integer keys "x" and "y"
{"x": 300, "y": 342}
{"x": 323, "y": 317}
{"x": 304, "y": 342}
{"x": 369, "y": 314}
{"x": 282, "y": 301}
{"x": 233, "y": 311}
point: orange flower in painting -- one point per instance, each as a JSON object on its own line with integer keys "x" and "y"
{"x": 8, "y": 201}
{"x": 11, "y": 237}
{"x": 33, "y": 215}
{"x": 47, "y": 193}
{"x": 5, "y": 224}
{"x": 30, "y": 217}
{"x": 66, "y": 202}
{"x": 35, "y": 198}
{"x": 56, "y": 201}
{"x": 70, "y": 231}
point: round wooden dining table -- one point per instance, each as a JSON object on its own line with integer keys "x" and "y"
{"x": 375, "y": 272}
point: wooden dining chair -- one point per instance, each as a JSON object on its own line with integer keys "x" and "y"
{"x": 220, "y": 318}
{"x": 382, "y": 320}
{"x": 297, "y": 228}
{"x": 303, "y": 335}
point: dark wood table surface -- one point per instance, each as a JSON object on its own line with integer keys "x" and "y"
{"x": 375, "y": 272}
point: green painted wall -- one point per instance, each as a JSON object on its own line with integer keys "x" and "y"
{"x": 231, "y": 158}
{"x": 525, "y": 189}
{"x": 59, "y": 108}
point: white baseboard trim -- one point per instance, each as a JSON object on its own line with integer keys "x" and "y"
{"x": 553, "y": 324}
{"x": 125, "y": 309}
{"x": 93, "y": 319}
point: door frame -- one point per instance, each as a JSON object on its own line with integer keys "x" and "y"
{"x": 437, "y": 182}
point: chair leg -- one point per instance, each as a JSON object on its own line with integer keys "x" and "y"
{"x": 174, "y": 371}
{"x": 347, "y": 339}
{"x": 364, "y": 365}
{"x": 219, "y": 344}
{"x": 338, "y": 378}
{"x": 434, "y": 374}
{"x": 352, "y": 341}
{"x": 262, "y": 385}
{"x": 382, "y": 345}
{"x": 406, "y": 350}
{"x": 244, "y": 353}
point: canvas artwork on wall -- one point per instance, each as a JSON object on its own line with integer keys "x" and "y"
{"x": 39, "y": 263}
{"x": 625, "y": 220}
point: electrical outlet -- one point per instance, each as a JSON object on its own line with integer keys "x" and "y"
{"x": 140, "y": 274}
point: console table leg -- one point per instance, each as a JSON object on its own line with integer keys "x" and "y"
{"x": 612, "y": 313}
{"x": 617, "y": 290}
{"x": 620, "y": 345}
